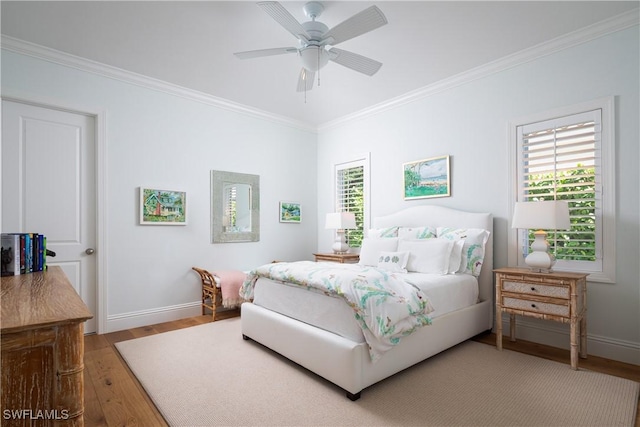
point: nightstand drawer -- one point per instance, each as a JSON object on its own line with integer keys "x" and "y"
{"x": 536, "y": 289}
{"x": 536, "y": 306}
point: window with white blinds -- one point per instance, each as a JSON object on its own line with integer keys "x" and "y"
{"x": 351, "y": 182}
{"x": 561, "y": 159}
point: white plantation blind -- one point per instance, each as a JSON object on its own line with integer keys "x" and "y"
{"x": 350, "y": 196}
{"x": 559, "y": 159}
{"x": 230, "y": 206}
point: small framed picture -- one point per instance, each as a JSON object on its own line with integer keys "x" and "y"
{"x": 427, "y": 178}
{"x": 290, "y": 212}
{"x": 162, "y": 207}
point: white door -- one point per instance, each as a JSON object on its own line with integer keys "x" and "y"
{"x": 48, "y": 187}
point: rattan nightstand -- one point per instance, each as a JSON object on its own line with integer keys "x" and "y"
{"x": 341, "y": 258}
{"x": 557, "y": 296}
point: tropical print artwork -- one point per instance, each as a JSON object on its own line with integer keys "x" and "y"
{"x": 385, "y": 306}
{"x": 427, "y": 178}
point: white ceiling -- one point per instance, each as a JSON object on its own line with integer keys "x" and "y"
{"x": 191, "y": 44}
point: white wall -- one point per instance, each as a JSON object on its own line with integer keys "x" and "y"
{"x": 469, "y": 123}
{"x": 160, "y": 140}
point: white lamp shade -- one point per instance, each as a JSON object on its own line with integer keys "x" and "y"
{"x": 340, "y": 221}
{"x": 546, "y": 215}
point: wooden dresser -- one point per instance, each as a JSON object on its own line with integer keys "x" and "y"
{"x": 42, "y": 350}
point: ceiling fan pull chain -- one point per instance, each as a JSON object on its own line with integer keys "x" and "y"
{"x": 319, "y": 66}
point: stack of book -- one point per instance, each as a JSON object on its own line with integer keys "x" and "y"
{"x": 23, "y": 253}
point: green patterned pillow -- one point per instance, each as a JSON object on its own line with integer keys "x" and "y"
{"x": 377, "y": 233}
{"x": 413, "y": 233}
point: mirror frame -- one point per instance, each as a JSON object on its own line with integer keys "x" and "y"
{"x": 218, "y": 180}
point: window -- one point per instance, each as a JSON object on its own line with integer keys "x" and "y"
{"x": 568, "y": 156}
{"x": 351, "y": 195}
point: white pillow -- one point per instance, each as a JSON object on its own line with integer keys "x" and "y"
{"x": 455, "y": 260}
{"x": 395, "y": 262}
{"x": 417, "y": 233}
{"x": 473, "y": 250}
{"x": 377, "y": 233}
{"x": 427, "y": 255}
{"x": 371, "y": 248}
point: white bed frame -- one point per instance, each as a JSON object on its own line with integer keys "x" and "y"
{"x": 347, "y": 363}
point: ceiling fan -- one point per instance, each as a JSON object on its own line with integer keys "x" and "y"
{"x": 316, "y": 40}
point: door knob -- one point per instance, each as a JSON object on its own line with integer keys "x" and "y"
{"x": 90, "y": 251}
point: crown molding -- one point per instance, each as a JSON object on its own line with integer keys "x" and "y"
{"x": 22, "y": 47}
{"x": 586, "y": 34}
{"x": 575, "y": 38}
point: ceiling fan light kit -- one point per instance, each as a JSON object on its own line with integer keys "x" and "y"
{"x": 316, "y": 40}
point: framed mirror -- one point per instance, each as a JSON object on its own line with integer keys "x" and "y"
{"x": 235, "y": 207}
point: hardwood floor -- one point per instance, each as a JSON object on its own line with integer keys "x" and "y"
{"x": 114, "y": 397}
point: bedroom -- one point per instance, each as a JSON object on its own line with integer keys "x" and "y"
{"x": 144, "y": 273}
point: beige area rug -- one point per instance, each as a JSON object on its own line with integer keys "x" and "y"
{"x": 208, "y": 375}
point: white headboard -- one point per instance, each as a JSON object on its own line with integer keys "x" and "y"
{"x": 438, "y": 216}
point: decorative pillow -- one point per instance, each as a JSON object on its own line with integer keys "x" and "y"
{"x": 371, "y": 248}
{"x": 377, "y": 233}
{"x": 411, "y": 233}
{"x": 393, "y": 261}
{"x": 427, "y": 255}
{"x": 473, "y": 249}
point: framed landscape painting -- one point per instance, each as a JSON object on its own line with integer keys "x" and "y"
{"x": 290, "y": 212}
{"x": 427, "y": 178}
{"x": 162, "y": 207}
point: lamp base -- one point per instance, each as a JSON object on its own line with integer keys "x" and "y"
{"x": 340, "y": 245}
{"x": 540, "y": 260}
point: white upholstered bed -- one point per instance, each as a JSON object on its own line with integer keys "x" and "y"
{"x": 342, "y": 357}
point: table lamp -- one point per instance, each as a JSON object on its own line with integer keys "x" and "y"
{"x": 340, "y": 221}
{"x": 543, "y": 215}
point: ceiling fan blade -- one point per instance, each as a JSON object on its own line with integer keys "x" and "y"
{"x": 284, "y": 18}
{"x": 305, "y": 81}
{"x": 360, "y": 23}
{"x": 265, "y": 52}
{"x": 354, "y": 61}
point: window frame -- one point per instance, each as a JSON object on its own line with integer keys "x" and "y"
{"x": 364, "y": 161}
{"x": 607, "y": 213}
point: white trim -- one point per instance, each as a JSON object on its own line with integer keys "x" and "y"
{"x": 552, "y": 334}
{"x": 363, "y": 159}
{"x": 65, "y": 59}
{"x": 586, "y": 34}
{"x": 136, "y": 319}
{"x": 608, "y": 142}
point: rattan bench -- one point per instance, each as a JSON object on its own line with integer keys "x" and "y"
{"x": 211, "y": 294}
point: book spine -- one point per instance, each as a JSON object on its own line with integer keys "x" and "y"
{"x": 28, "y": 253}
{"x": 10, "y": 254}
{"x": 40, "y": 252}
{"x": 44, "y": 256}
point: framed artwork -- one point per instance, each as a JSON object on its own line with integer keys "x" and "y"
{"x": 290, "y": 212}
{"x": 162, "y": 207}
{"x": 427, "y": 178}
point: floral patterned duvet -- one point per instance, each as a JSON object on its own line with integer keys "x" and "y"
{"x": 385, "y": 306}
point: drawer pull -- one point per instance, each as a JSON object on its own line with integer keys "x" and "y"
{"x": 533, "y": 306}
{"x": 533, "y": 289}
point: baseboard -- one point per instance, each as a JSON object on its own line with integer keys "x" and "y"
{"x": 136, "y": 319}
{"x": 557, "y": 335}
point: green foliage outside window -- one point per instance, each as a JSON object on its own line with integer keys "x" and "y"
{"x": 354, "y": 186}
{"x": 577, "y": 186}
